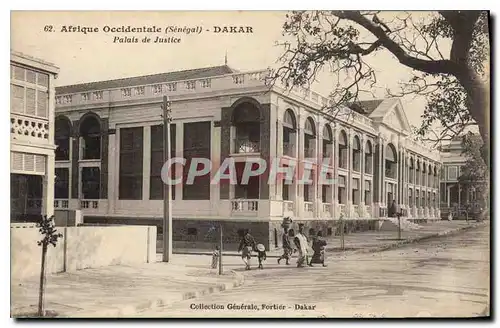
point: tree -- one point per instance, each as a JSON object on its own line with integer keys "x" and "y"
{"x": 475, "y": 173}
{"x": 50, "y": 237}
{"x": 456, "y": 85}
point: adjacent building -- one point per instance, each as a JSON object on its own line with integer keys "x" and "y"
{"x": 32, "y": 102}
{"x": 109, "y": 155}
{"x": 455, "y": 196}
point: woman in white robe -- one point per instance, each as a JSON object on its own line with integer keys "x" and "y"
{"x": 300, "y": 241}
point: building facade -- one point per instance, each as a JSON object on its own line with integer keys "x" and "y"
{"x": 455, "y": 196}
{"x": 110, "y": 154}
{"x": 32, "y": 103}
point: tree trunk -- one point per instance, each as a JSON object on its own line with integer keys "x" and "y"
{"x": 478, "y": 99}
{"x": 42, "y": 282}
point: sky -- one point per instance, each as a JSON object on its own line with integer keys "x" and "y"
{"x": 93, "y": 56}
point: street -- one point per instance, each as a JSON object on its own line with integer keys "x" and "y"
{"x": 447, "y": 277}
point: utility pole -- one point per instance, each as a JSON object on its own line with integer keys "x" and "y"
{"x": 167, "y": 188}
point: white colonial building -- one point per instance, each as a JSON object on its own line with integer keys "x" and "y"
{"x": 455, "y": 195}
{"x": 110, "y": 153}
{"x": 32, "y": 102}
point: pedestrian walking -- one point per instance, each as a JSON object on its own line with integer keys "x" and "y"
{"x": 261, "y": 255}
{"x": 247, "y": 244}
{"x": 215, "y": 257}
{"x": 300, "y": 241}
{"x": 287, "y": 247}
{"x": 318, "y": 246}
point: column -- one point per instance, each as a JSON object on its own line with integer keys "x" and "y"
{"x": 116, "y": 168}
{"x": 438, "y": 200}
{"x": 279, "y": 154}
{"x": 335, "y": 199}
{"x": 113, "y": 172}
{"x": 383, "y": 191}
{"x": 299, "y": 194}
{"x": 404, "y": 187}
{"x": 362, "y": 207}
{"x": 279, "y": 136}
{"x": 415, "y": 206}
{"x": 397, "y": 192}
{"x": 318, "y": 188}
{"x": 48, "y": 186}
{"x": 376, "y": 177}
{"x": 146, "y": 162}
{"x": 275, "y": 142}
{"x": 215, "y": 156}
{"x": 179, "y": 152}
{"x": 349, "y": 200}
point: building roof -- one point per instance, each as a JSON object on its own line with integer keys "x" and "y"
{"x": 198, "y": 73}
{"x": 28, "y": 60}
{"x": 365, "y": 107}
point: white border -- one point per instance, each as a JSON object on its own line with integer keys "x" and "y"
{"x": 194, "y": 5}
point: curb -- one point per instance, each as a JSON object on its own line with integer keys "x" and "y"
{"x": 223, "y": 254}
{"x": 130, "y": 310}
{"x": 418, "y": 239}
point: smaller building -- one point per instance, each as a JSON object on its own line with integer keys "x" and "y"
{"x": 32, "y": 103}
{"x": 454, "y": 195}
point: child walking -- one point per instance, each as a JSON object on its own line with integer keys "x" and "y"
{"x": 261, "y": 254}
{"x": 215, "y": 257}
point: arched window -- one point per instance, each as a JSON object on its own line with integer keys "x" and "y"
{"x": 289, "y": 119}
{"x": 90, "y": 131}
{"x": 246, "y": 120}
{"x": 62, "y": 137}
{"x": 289, "y": 133}
{"x": 309, "y": 138}
{"x": 390, "y": 161}
{"x": 356, "y": 154}
{"x": 327, "y": 141}
{"x": 343, "y": 150}
{"x": 417, "y": 173}
{"x": 430, "y": 183}
{"x": 412, "y": 170}
{"x": 368, "y": 158}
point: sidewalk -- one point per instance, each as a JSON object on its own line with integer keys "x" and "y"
{"x": 120, "y": 290}
{"x": 371, "y": 241}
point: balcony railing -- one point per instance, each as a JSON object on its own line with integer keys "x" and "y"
{"x": 327, "y": 208}
{"x": 61, "y": 203}
{"x": 288, "y": 206}
{"x": 308, "y": 207}
{"x": 244, "y": 205}
{"x": 36, "y": 129}
{"x": 89, "y": 203}
{"x": 245, "y": 146}
{"x": 342, "y": 209}
{"x": 289, "y": 149}
{"x": 356, "y": 210}
{"x": 368, "y": 211}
